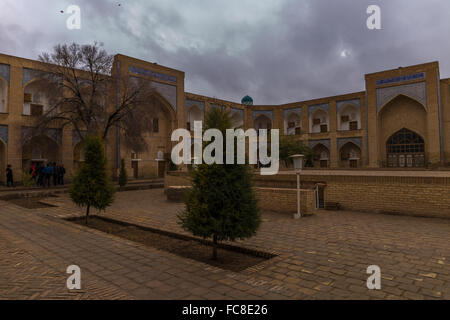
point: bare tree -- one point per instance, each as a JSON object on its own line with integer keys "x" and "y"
{"x": 84, "y": 92}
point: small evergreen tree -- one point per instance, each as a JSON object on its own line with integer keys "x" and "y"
{"x": 290, "y": 146}
{"x": 221, "y": 203}
{"x": 92, "y": 186}
{"x": 123, "y": 178}
{"x": 27, "y": 179}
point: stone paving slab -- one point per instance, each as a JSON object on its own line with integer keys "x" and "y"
{"x": 319, "y": 257}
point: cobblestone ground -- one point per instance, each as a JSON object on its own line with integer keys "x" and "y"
{"x": 320, "y": 257}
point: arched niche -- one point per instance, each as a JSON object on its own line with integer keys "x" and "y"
{"x": 321, "y": 156}
{"x": 40, "y": 149}
{"x": 35, "y": 101}
{"x": 237, "y": 120}
{"x": 262, "y": 122}
{"x": 397, "y": 114}
{"x": 194, "y": 113}
{"x": 319, "y": 121}
{"x": 350, "y": 155}
{"x": 292, "y": 124}
{"x": 349, "y": 118}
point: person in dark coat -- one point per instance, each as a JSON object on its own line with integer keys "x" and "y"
{"x": 61, "y": 173}
{"x": 48, "y": 174}
{"x": 40, "y": 174}
{"x": 55, "y": 174}
{"x": 9, "y": 176}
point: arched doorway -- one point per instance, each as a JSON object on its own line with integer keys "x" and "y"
{"x": 350, "y": 155}
{"x": 39, "y": 150}
{"x": 405, "y": 148}
{"x": 2, "y": 161}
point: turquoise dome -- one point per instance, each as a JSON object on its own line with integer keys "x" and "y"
{"x": 247, "y": 100}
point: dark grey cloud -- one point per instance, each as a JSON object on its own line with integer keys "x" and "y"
{"x": 276, "y": 51}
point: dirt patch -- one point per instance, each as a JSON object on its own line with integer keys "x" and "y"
{"x": 28, "y": 202}
{"x": 229, "y": 257}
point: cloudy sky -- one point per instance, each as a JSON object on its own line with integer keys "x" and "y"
{"x": 276, "y": 51}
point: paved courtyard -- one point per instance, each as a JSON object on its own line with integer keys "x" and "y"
{"x": 320, "y": 257}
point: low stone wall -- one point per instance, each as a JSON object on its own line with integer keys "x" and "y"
{"x": 274, "y": 199}
{"x": 285, "y": 200}
{"x": 418, "y": 193}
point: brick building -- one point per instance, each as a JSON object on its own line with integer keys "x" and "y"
{"x": 401, "y": 120}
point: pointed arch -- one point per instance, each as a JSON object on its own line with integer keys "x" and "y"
{"x": 350, "y": 155}
{"x": 319, "y": 121}
{"x": 405, "y": 148}
{"x": 321, "y": 155}
{"x": 349, "y": 117}
{"x": 400, "y": 95}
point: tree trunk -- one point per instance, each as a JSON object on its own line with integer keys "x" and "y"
{"x": 214, "y": 257}
{"x": 87, "y": 213}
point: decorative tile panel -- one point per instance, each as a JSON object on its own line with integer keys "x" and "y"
{"x": 356, "y": 141}
{"x": 354, "y": 102}
{"x": 214, "y": 105}
{"x": 325, "y": 142}
{"x": 189, "y": 103}
{"x": 416, "y": 91}
{"x": 297, "y": 111}
{"x": 5, "y": 71}
{"x": 169, "y": 92}
{"x": 28, "y": 132}
{"x": 4, "y": 133}
{"x": 234, "y": 110}
{"x": 267, "y": 113}
{"x": 420, "y": 75}
{"x": 324, "y": 106}
{"x": 153, "y": 74}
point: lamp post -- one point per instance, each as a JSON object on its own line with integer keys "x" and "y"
{"x": 298, "y": 164}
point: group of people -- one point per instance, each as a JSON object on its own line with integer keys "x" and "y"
{"x": 49, "y": 174}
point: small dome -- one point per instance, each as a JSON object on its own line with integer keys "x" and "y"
{"x": 247, "y": 100}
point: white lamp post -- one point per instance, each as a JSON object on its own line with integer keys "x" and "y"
{"x": 298, "y": 165}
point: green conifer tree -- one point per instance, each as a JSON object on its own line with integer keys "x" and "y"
{"x": 221, "y": 204}
{"x": 92, "y": 186}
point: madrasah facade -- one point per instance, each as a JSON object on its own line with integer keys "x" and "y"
{"x": 401, "y": 121}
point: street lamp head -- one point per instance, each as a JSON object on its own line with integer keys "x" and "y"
{"x": 298, "y": 161}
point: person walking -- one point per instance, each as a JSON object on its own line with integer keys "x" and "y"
{"x": 40, "y": 175}
{"x": 9, "y": 176}
{"x": 61, "y": 173}
{"x": 48, "y": 174}
{"x": 33, "y": 172}
{"x": 55, "y": 174}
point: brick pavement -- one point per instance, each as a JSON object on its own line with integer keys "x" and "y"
{"x": 319, "y": 257}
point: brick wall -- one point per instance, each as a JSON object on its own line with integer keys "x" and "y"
{"x": 419, "y": 193}
{"x": 275, "y": 199}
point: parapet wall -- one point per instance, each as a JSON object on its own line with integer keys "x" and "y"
{"x": 418, "y": 193}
